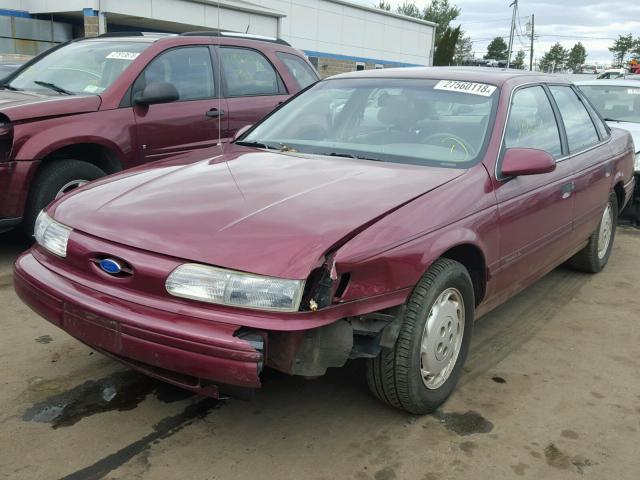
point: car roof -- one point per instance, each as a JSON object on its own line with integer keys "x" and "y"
{"x": 612, "y": 82}
{"x": 496, "y": 76}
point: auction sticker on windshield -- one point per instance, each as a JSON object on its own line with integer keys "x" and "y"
{"x": 466, "y": 87}
{"x": 123, "y": 55}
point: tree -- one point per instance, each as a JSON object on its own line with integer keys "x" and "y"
{"x": 409, "y": 9}
{"x": 382, "y": 5}
{"x": 497, "y": 49}
{"x": 555, "y": 59}
{"x": 518, "y": 62}
{"x": 446, "y": 47}
{"x": 621, "y": 47}
{"x": 577, "y": 57}
{"x": 442, "y": 14}
{"x": 464, "y": 49}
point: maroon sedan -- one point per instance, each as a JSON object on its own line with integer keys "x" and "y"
{"x": 375, "y": 215}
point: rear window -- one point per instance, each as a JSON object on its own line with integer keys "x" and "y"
{"x": 299, "y": 69}
{"x": 581, "y": 132}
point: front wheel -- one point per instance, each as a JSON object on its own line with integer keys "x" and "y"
{"x": 595, "y": 255}
{"x": 422, "y": 369}
{"x": 54, "y": 180}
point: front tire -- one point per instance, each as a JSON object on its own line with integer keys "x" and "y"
{"x": 422, "y": 369}
{"x": 594, "y": 257}
{"x": 53, "y": 180}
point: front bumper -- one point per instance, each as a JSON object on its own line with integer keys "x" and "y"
{"x": 189, "y": 352}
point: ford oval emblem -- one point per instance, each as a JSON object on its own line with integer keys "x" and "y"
{"x": 111, "y": 266}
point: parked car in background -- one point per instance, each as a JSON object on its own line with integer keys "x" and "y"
{"x": 612, "y": 73}
{"x": 618, "y": 101}
{"x": 375, "y": 216}
{"x": 96, "y": 106}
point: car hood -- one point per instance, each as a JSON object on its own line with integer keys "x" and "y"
{"x": 25, "y": 105}
{"x": 268, "y": 213}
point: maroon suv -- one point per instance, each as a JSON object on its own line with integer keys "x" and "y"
{"x": 92, "y": 107}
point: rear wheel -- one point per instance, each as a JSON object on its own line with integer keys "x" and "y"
{"x": 422, "y": 369}
{"x": 595, "y": 255}
{"x": 54, "y": 180}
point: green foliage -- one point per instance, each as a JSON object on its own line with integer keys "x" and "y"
{"x": 497, "y": 49}
{"x": 577, "y": 57}
{"x": 446, "y": 47}
{"x": 382, "y": 5}
{"x": 409, "y": 9}
{"x": 442, "y": 13}
{"x": 555, "y": 60}
{"x": 518, "y": 62}
{"x": 624, "y": 45}
{"x": 464, "y": 49}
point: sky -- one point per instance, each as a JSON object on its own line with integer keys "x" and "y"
{"x": 594, "y": 23}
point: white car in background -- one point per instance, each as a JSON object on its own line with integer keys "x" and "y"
{"x": 618, "y": 101}
{"x": 612, "y": 73}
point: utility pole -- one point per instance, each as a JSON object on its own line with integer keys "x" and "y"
{"x": 533, "y": 23}
{"x": 514, "y": 4}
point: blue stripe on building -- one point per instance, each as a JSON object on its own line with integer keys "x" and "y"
{"x": 312, "y": 53}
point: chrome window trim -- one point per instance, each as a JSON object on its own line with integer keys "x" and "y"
{"x": 499, "y": 177}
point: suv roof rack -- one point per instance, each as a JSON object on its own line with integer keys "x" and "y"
{"x": 246, "y": 36}
{"x": 134, "y": 34}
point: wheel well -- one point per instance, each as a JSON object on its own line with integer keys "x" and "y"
{"x": 102, "y": 157}
{"x": 473, "y": 259}
{"x": 619, "y": 190}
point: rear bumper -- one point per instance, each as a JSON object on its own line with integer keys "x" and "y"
{"x": 190, "y": 352}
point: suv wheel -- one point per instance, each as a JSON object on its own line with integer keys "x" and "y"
{"x": 54, "y": 180}
{"x": 422, "y": 369}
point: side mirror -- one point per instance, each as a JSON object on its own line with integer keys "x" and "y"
{"x": 240, "y": 132}
{"x": 526, "y": 161}
{"x": 157, "y": 92}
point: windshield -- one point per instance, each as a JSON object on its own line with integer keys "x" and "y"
{"x": 422, "y": 122}
{"x": 87, "y": 67}
{"x": 615, "y": 102}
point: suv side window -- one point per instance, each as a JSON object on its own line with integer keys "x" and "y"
{"x": 188, "y": 69}
{"x": 247, "y": 73}
{"x": 298, "y": 68}
{"x": 532, "y": 123}
{"x": 581, "y": 133}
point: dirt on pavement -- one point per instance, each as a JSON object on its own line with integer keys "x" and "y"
{"x": 551, "y": 390}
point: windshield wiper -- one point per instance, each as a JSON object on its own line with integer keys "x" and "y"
{"x": 257, "y": 145}
{"x": 6, "y": 86}
{"x": 53, "y": 86}
{"x": 607, "y": 119}
{"x": 351, "y": 155}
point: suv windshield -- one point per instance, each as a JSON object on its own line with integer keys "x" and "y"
{"x": 618, "y": 103}
{"x": 422, "y": 122}
{"x": 87, "y": 67}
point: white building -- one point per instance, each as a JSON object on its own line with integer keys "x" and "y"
{"x": 337, "y": 35}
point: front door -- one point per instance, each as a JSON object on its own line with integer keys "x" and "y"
{"x": 193, "y": 122}
{"x": 535, "y": 210}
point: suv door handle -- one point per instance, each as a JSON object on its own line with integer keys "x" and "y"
{"x": 215, "y": 113}
{"x": 567, "y": 189}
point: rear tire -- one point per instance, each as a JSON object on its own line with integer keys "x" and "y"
{"x": 443, "y": 300}
{"x": 594, "y": 257}
{"x": 50, "y": 181}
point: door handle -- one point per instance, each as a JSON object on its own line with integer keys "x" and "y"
{"x": 567, "y": 189}
{"x": 215, "y": 113}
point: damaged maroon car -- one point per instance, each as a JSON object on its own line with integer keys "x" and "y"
{"x": 375, "y": 216}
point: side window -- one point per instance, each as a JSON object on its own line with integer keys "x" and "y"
{"x": 298, "y": 68}
{"x": 247, "y": 73}
{"x": 188, "y": 69}
{"x": 531, "y": 122}
{"x": 581, "y": 133}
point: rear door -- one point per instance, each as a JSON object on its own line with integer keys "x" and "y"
{"x": 252, "y": 86}
{"x": 588, "y": 156}
{"x": 536, "y": 211}
{"x": 192, "y": 123}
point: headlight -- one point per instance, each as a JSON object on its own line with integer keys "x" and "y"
{"x": 228, "y": 287}
{"x": 52, "y": 235}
